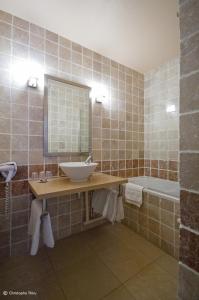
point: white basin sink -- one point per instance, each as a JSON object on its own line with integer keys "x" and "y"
{"x": 78, "y": 171}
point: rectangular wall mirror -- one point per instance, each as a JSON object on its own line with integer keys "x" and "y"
{"x": 67, "y": 117}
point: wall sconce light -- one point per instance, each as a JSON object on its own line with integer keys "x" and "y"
{"x": 99, "y": 92}
{"x": 32, "y": 82}
{"x": 100, "y": 99}
{"x": 171, "y": 108}
{"x": 27, "y": 73}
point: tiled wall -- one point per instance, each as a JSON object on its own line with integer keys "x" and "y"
{"x": 189, "y": 150}
{"x": 162, "y": 169}
{"x": 161, "y": 128}
{"x": 118, "y": 130}
{"x": 156, "y": 220}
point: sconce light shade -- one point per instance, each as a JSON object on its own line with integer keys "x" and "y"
{"x": 100, "y": 99}
{"x": 32, "y": 82}
{"x": 171, "y": 108}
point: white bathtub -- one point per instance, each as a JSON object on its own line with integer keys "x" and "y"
{"x": 162, "y": 187}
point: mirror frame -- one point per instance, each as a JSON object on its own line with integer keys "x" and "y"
{"x": 46, "y": 152}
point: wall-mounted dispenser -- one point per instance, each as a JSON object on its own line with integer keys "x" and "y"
{"x": 8, "y": 171}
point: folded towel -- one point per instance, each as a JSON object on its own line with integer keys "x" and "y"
{"x": 34, "y": 227}
{"x": 107, "y": 203}
{"x": 133, "y": 194}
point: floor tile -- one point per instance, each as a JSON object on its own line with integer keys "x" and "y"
{"x": 93, "y": 265}
{"x": 153, "y": 283}
{"x": 169, "y": 264}
{"x": 136, "y": 241}
{"x": 89, "y": 279}
{"x": 122, "y": 232}
{"x": 101, "y": 238}
{"x": 69, "y": 251}
{"x": 119, "y": 294}
{"x": 47, "y": 289}
{"x": 145, "y": 247}
{"x": 24, "y": 270}
{"x": 123, "y": 261}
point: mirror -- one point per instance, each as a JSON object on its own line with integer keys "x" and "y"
{"x": 67, "y": 117}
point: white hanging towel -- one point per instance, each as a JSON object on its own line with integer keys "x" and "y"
{"x": 99, "y": 199}
{"x": 47, "y": 232}
{"x": 120, "y": 210}
{"x": 34, "y": 227}
{"x": 108, "y": 204}
{"x": 110, "y": 207}
{"x": 133, "y": 194}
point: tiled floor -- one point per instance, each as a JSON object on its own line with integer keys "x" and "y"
{"x": 110, "y": 262}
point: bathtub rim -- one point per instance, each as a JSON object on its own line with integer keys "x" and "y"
{"x": 155, "y": 192}
{"x": 161, "y": 195}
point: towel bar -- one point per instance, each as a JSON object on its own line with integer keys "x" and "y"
{"x": 44, "y": 208}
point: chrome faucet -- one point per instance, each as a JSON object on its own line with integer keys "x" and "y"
{"x": 89, "y": 159}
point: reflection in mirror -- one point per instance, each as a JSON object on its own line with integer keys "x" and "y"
{"x": 67, "y": 117}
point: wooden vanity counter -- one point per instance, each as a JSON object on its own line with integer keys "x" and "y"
{"x": 62, "y": 185}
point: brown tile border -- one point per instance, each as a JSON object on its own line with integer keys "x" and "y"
{"x": 161, "y": 169}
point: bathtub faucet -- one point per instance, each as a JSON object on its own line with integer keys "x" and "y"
{"x": 89, "y": 159}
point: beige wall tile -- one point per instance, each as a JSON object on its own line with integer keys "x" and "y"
{"x": 64, "y": 53}
{"x": 35, "y": 142}
{"x": 36, "y": 42}
{"x": 5, "y": 29}
{"x": 154, "y": 212}
{"x": 36, "y": 157}
{"x": 35, "y": 113}
{"x": 167, "y": 205}
{"x": 5, "y": 45}
{"x": 51, "y": 36}
{"x": 20, "y": 142}
{"x": 4, "y": 156}
{"x": 76, "y": 47}
{"x": 37, "y": 30}
{"x": 51, "y": 48}
{"x": 5, "y": 17}
{"x": 35, "y": 128}
{"x": 5, "y": 141}
{"x": 20, "y": 127}
{"x": 19, "y": 111}
{"x": 167, "y": 234}
{"x": 4, "y": 125}
{"x": 20, "y": 36}
{"x": 167, "y": 218}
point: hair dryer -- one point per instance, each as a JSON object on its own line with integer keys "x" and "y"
{"x": 8, "y": 171}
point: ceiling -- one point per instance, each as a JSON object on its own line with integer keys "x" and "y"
{"x": 141, "y": 34}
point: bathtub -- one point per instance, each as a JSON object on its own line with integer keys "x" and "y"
{"x": 161, "y": 187}
{"x": 157, "y": 218}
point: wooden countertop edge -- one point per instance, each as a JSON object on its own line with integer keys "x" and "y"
{"x": 89, "y": 187}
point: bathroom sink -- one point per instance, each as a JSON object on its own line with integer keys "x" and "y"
{"x": 78, "y": 171}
